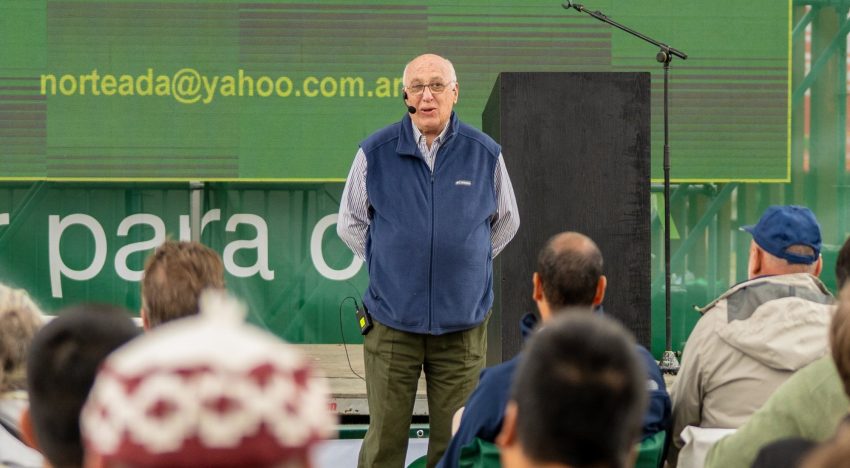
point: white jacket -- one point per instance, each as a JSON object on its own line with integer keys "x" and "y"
{"x": 748, "y": 342}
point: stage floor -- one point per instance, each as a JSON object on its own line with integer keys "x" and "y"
{"x": 348, "y": 391}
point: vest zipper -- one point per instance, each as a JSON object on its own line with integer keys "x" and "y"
{"x": 431, "y": 272}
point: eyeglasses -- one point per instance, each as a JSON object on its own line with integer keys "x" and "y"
{"x": 436, "y": 88}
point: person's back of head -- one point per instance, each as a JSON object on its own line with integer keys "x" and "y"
{"x": 569, "y": 273}
{"x": 175, "y": 275}
{"x": 61, "y": 367}
{"x": 786, "y": 240}
{"x": 839, "y": 327}
{"x": 208, "y": 390}
{"x": 842, "y": 264}
{"x": 578, "y": 397}
{"x": 20, "y": 319}
{"x": 839, "y": 337}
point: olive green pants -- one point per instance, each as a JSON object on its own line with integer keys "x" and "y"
{"x": 394, "y": 360}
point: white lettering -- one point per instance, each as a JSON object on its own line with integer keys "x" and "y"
{"x": 57, "y": 265}
{"x": 318, "y": 257}
{"x": 4, "y": 219}
{"x": 210, "y": 216}
{"x": 261, "y": 243}
{"x": 123, "y": 229}
{"x": 59, "y": 270}
{"x": 185, "y": 229}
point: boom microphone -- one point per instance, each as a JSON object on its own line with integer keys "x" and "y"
{"x": 410, "y": 109}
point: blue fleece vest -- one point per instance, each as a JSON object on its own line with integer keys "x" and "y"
{"x": 428, "y": 245}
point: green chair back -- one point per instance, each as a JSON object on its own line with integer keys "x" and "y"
{"x": 651, "y": 450}
{"x": 479, "y": 454}
{"x": 420, "y": 462}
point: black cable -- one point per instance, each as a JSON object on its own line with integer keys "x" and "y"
{"x": 342, "y": 333}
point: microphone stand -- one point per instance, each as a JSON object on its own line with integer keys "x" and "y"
{"x": 669, "y": 364}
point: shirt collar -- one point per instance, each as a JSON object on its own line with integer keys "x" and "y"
{"x": 418, "y": 136}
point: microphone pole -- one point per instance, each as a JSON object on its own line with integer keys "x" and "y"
{"x": 669, "y": 364}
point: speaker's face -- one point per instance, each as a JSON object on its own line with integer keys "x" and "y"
{"x": 432, "y": 90}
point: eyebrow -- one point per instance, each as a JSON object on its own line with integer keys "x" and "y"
{"x": 432, "y": 80}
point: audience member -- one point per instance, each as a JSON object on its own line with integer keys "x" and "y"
{"x": 786, "y": 453}
{"x": 61, "y": 366}
{"x": 210, "y": 391}
{"x": 792, "y": 411}
{"x": 578, "y": 398}
{"x": 20, "y": 319}
{"x": 758, "y": 333}
{"x": 842, "y": 265}
{"x": 175, "y": 275}
{"x": 569, "y": 274}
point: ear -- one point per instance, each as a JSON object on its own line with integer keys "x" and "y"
{"x": 146, "y": 324}
{"x": 507, "y": 436}
{"x": 756, "y": 262}
{"x": 601, "y": 285}
{"x": 540, "y": 298}
{"x": 537, "y": 291}
{"x": 27, "y": 431}
{"x": 456, "y": 91}
{"x": 818, "y": 266}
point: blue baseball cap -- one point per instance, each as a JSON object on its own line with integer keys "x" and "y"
{"x": 781, "y": 227}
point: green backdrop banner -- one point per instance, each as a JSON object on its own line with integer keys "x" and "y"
{"x": 283, "y": 91}
{"x": 68, "y": 243}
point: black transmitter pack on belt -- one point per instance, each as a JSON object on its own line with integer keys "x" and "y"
{"x": 364, "y": 320}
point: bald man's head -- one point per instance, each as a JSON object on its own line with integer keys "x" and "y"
{"x": 569, "y": 268}
{"x": 432, "y": 60}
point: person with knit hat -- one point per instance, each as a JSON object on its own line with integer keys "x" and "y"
{"x": 207, "y": 390}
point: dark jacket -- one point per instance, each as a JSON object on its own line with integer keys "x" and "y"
{"x": 485, "y": 409}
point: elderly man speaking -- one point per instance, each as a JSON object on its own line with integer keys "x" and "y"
{"x": 435, "y": 208}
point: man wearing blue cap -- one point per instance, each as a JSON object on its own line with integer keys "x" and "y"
{"x": 758, "y": 333}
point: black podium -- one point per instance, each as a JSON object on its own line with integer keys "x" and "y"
{"x": 577, "y": 148}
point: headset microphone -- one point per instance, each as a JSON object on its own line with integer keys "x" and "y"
{"x": 410, "y": 109}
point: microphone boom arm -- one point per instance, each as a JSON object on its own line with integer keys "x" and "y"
{"x": 601, "y": 17}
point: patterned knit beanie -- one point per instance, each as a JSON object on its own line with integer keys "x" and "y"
{"x": 206, "y": 390}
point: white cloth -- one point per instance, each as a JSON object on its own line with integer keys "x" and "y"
{"x": 698, "y": 441}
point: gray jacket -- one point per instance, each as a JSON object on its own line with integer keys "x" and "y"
{"x": 748, "y": 342}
